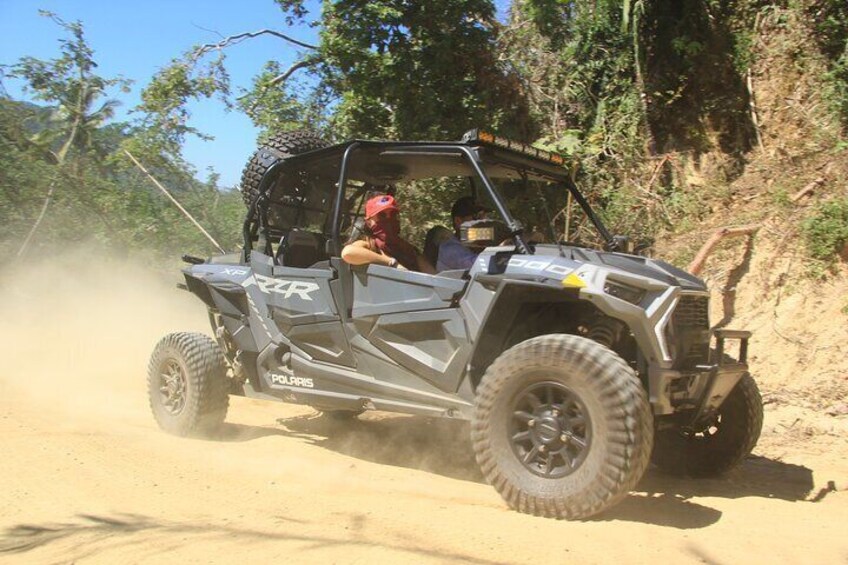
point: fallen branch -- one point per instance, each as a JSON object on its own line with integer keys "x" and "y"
{"x": 656, "y": 172}
{"x": 752, "y": 104}
{"x": 174, "y": 200}
{"x": 809, "y": 189}
{"x": 698, "y": 262}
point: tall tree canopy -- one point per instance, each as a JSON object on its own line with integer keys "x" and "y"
{"x": 418, "y": 69}
{"x": 387, "y": 68}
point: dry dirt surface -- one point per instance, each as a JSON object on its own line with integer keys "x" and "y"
{"x": 88, "y": 477}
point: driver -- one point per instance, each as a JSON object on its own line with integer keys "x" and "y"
{"x": 445, "y": 247}
{"x": 382, "y": 244}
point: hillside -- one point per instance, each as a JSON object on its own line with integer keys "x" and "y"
{"x": 796, "y": 305}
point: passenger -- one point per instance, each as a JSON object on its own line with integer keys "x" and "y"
{"x": 382, "y": 243}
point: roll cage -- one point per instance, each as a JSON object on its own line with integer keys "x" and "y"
{"x": 482, "y": 159}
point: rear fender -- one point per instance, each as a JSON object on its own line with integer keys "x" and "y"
{"x": 222, "y": 289}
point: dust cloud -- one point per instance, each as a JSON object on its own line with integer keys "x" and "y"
{"x": 77, "y": 330}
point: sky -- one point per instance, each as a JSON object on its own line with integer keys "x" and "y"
{"x": 136, "y": 39}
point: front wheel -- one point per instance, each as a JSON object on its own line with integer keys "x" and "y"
{"x": 562, "y": 427}
{"x": 720, "y": 445}
{"x": 187, "y": 384}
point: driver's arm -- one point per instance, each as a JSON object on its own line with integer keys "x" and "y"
{"x": 358, "y": 253}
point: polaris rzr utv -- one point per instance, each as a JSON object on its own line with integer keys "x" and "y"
{"x": 575, "y": 366}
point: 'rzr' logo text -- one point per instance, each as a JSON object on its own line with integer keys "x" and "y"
{"x": 286, "y": 288}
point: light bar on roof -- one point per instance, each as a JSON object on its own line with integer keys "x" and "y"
{"x": 498, "y": 141}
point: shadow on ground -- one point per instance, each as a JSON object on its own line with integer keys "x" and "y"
{"x": 443, "y": 447}
{"x": 438, "y": 446}
{"x": 87, "y": 535}
{"x": 666, "y": 500}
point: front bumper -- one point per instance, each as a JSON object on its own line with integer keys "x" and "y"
{"x": 702, "y": 390}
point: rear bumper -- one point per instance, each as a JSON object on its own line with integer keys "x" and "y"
{"x": 703, "y": 389}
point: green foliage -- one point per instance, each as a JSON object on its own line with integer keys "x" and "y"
{"x": 63, "y": 160}
{"x": 837, "y": 87}
{"x": 281, "y": 109}
{"x": 414, "y": 70}
{"x": 388, "y": 68}
{"x": 164, "y": 100}
{"x": 584, "y": 93}
{"x": 826, "y": 230}
{"x": 830, "y": 25}
{"x": 69, "y": 85}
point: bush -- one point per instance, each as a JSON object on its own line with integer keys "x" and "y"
{"x": 826, "y": 229}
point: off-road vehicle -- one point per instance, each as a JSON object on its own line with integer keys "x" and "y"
{"x": 576, "y": 366}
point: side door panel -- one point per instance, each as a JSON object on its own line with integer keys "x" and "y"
{"x": 383, "y": 290}
{"x": 431, "y": 344}
{"x": 304, "y": 310}
{"x": 412, "y": 318}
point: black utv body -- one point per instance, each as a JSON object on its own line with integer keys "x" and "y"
{"x": 575, "y": 366}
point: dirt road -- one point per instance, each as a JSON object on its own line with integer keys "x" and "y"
{"x": 88, "y": 477}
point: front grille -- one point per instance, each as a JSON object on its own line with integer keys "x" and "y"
{"x": 688, "y": 331}
{"x": 692, "y": 312}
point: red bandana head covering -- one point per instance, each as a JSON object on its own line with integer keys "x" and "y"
{"x": 385, "y": 228}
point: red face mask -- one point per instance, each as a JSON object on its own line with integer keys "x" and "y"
{"x": 386, "y": 228}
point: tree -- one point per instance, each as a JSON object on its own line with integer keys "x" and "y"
{"x": 69, "y": 83}
{"x": 388, "y": 68}
{"x": 418, "y": 69}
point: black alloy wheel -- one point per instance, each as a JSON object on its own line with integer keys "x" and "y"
{"x": 561, "y": 427}
{"x": 551, "y": 432}
{"x": 187, "y": 384}
{"x": 172, "y": 387}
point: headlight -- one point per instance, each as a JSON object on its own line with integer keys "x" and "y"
{"x": 625, "y": 292}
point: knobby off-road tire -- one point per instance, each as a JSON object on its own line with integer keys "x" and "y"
{"x": 187, "y": 384}
{"x": 587, "y": 394}
{"x": 721, "y": 446}
{"x": 282, "y": 145}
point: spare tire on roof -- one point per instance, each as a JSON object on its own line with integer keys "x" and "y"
{"x": 282, "y": 145}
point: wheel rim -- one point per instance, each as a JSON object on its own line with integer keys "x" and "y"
{"x": 550, "y": 430}
{"x": 172, "y": 387}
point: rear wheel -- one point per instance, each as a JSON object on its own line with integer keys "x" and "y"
{"x": 719, "y": 446}
{"x": 187, "y": 384}
{"x": 281, "y": 145}
{"x": 562, "y": 427}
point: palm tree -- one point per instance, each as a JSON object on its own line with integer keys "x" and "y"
{"x": 70, "y": 84}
